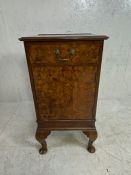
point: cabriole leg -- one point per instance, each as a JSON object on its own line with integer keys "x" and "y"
{"x": 41, "y": 135}
{"x": 92, "y": 134}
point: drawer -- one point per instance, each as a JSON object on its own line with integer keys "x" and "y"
{"x": 65, "y": 92}
{"x": 68, "y": 52}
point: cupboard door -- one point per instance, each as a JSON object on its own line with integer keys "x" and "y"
{"x": 64, "y": 92}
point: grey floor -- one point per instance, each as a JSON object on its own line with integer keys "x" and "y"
{"x": 67, "y": 153}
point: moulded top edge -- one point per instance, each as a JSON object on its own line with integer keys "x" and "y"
{"x": 77, "y": 36}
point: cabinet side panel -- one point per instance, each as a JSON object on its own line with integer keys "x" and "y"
{"x": 27, "y": 52}
{"x": 98, "y": 77}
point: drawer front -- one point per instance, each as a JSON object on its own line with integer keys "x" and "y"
{"x": 78, "y": 52}
{"x": 65, "y": 92}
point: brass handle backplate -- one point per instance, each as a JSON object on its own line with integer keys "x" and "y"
{"x": 71, "y": 52}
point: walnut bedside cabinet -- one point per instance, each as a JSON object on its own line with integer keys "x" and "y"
{"x": 64, "y": 72}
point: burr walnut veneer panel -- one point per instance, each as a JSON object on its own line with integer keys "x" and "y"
{"x": 64, "y": 92}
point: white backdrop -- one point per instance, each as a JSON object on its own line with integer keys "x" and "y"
{"x": 29, "y": 17}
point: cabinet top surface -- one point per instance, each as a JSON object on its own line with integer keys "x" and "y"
{"x": 75, "y": 36}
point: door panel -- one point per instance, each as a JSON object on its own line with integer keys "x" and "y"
{"x": 65, "y": 92}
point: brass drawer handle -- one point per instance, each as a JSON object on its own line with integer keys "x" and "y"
{"x": 58, "y": 54}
